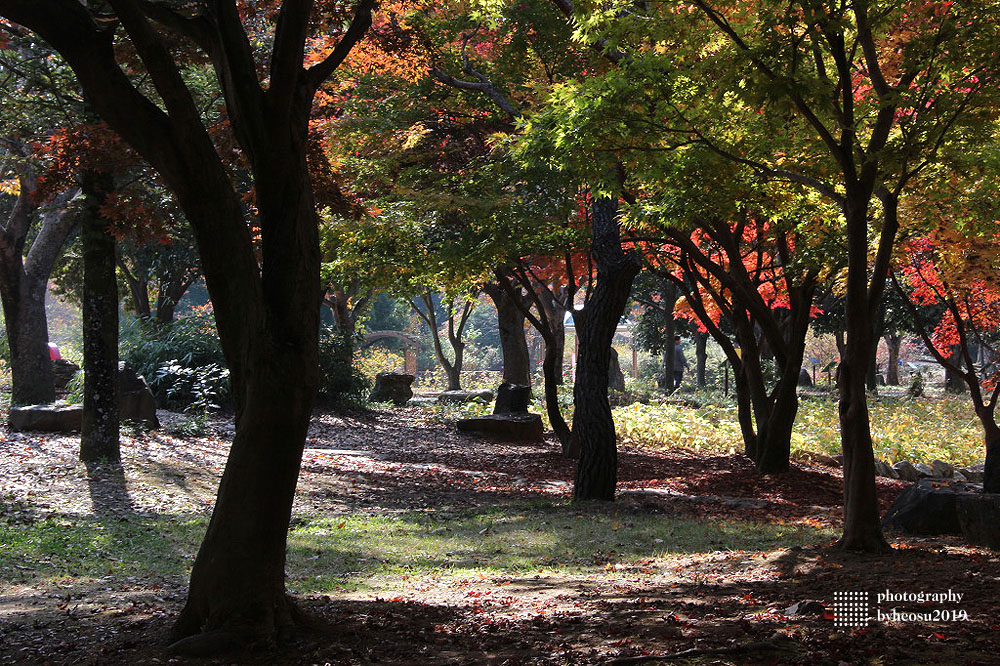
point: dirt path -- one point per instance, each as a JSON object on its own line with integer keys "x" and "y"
{"x": 394, "y": 464}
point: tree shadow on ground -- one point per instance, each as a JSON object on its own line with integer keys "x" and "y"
{"x": 733, "y": 602}
{"x": 108, "y": 489}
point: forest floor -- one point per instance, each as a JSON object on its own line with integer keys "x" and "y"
{"x": 414, "y": 544}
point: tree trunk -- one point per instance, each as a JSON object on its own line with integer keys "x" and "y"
{"x": 892, "y": 343}
{"x": 991, "y": 434}
{"x": 237, "y": 591}
{"x": 555, "y": 313}
{"x": 701, "y": 356}
{"x": 513, "y": 344}
{"x": 27, "y": 335}
{"x": 597, "y": 471}
{"x": 100, "y": 430}
{"x": 862, "y": 528}
{"x": 23, "y": 286}
{"x": 668, "y": 291}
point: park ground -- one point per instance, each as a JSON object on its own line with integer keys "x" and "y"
{"x": 413, "y": 544}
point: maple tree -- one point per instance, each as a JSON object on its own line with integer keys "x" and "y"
{"x": 851, "y": 101}
{"x": 39, "y": 98}
{"x": 951, "y": 268}
{"x": 264, "y": 288}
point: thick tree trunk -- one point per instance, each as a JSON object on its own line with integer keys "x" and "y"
{"x": 892, "y": 343}
{"x": 100, "y": 430}
{"x": 27, "y": 335}
{"x": 513, "y": 344}
{"x": 237, "y": 592}
{"x": 23, "y": 286}
{"x": 593, "y": 427}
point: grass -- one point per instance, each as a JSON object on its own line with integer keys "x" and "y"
{"x": 328, "y": 553}
{"x": 57, "y": 548}
{"x": 376, "y": 551}
{"x": 917, "y": 430}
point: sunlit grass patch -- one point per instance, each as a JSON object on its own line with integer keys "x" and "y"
{"x": 902, "y": 429}
{"x": 329, "y": 553}
{"x": 54, "y": 548}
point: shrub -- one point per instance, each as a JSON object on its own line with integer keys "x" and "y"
{"x": 181, "y": 361}
{"x": 340, "y": 382}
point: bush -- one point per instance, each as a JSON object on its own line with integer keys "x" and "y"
{"x": 341, "y": 383}
{"x": 181, "y": 361}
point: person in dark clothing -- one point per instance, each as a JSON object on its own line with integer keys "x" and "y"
{"x": 680, "y": 363}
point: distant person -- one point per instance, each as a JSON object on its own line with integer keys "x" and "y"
{"x": 679, "y": 362}
{"x": 54, "y": 354}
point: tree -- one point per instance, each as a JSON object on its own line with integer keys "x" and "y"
{"x": 956, "y": 272}
{"x": 855, "y": 100}
{"x": 267, "y": 311}
{"x": 39, "y": 98}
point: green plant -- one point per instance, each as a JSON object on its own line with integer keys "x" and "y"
{"x": 74, "y": 389}
{"x": 200, "y": 390}
{"x": 341, "y": 383}
{"x": 190, "y": 343}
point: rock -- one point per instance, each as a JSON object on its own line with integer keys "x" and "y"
{"x": 959, "y": 477}
{"x": 392, "y": 387}
{"x": 616, "y": 378}
{"x": 923, "y": 471}
{"x": 505, "y": 427}
{"x": 827, "y": 460}
{"x": 484, "y": 395}
{"x": 807, "y": 607}
{"x": 974, "y": 474}
{"x": 928, "y": 507}
{"x": 906, "y": 471}
{"x": 941, "y": 469}
{"x": 62, "y": 372}
{"x": 135, "y": 401}
{"x": 884, "y": 469}
{"x": 420, "y": 402}
{"x": 979, "y": 519}
{"x": 46, "y": 418}
{"x": 512, "y": 399}
{"x": 805, "y": 379}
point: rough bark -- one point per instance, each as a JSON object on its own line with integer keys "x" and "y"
{"x": 593, "y": 427}
{"x": 99, "y": 434}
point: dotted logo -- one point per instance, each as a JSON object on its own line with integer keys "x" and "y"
{"x": 850, "y": 609}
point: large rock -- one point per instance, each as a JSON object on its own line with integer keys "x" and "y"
{"x": 883, "y": 469}
{"x": 512, "y": 399}
{"x": 46, "y": 418}
{"x": 392, "y": 387}
{"x": 974, "y": 473}
{"x": 135, "y": 401}
{"x": 906, "y": 471}
{"x": 923, "y": 470}
{"x": 979, "y": 518}
{"x": 483, "y": 395}
{"x": 505, "y": 427}
{"x": 805, "y": 379}
{"x": 62, "y": 372}
{"x": 942, "y": 469}
{"x": 928, "y": 507}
